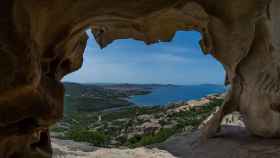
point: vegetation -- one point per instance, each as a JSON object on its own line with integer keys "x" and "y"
{"x": 190, "y": 118}
{"x": 143, "y": 140}
{"x": 93, "y": 98}
{"x": 86, "y": 135}
{"x": 103, "y": 116}
{"x": 119, "y": 128}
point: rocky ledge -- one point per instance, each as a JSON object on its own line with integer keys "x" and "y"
{"x": 232, "y": 142}
{"x": 70, "y": 149}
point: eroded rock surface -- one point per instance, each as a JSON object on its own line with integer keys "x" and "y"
{"x": 232, "y": 142}
{"x": 41, "y": 41}
{"x": 70, "y": 149}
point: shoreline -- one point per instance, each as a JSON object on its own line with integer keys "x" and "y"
{"x": 137, "y": 126}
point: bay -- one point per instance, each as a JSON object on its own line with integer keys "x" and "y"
{"x": 164, "y": 95}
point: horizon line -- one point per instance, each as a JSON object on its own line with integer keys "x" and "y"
{"x": 131, "y": 83}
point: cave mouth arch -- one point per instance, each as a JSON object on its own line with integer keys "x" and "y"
{"x": 43, "y": 41}
{"x": 180, "y": 58}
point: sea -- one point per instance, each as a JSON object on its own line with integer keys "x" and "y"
{"x": 163, "y": 95}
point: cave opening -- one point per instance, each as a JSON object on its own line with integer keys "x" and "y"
{"x": 44, "y": 41}
{"x": 179, "y": 61}
{"x": 130, "y": 93}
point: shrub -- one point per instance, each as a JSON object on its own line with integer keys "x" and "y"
{"x": 148, "y": 139}
{"x": 85, "y": 135}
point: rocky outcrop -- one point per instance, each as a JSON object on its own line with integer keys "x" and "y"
{"x": 41, "y": 41}
{"x": 70, "y": 149}
{"x": 232, "y": 142}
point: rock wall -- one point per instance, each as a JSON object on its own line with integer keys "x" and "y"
{"x": 41, "y": 41}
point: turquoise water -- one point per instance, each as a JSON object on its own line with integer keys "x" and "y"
{"x": 166, "y": 94}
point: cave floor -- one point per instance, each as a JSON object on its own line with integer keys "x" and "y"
{"x": 232, "y": 142}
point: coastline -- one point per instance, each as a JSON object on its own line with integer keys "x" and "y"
{"x": 138, "y": 126}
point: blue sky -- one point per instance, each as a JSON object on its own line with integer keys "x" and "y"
{"x": 129, "y": 61}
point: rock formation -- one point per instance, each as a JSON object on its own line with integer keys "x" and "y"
{"x": 70, "y": 149}
{"x": 41, "y": 41}
{"x": 233, "y": 142}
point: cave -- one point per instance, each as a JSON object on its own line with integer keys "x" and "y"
{"x": 42, "y": 41}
